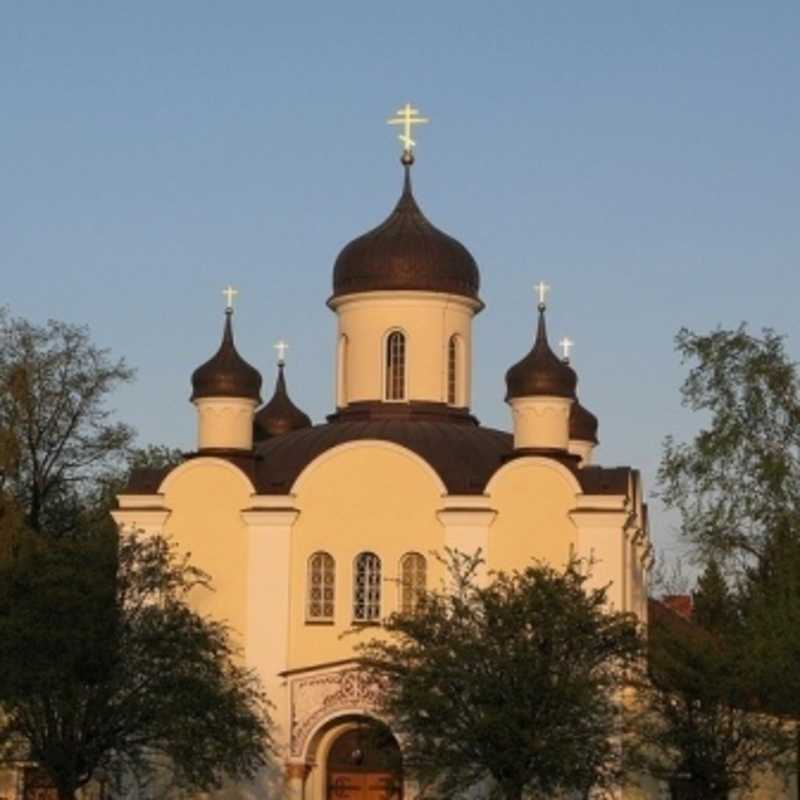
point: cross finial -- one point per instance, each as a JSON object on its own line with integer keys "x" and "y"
{"x": 407, "y": 116}
{"x": 229, "y": 293}
{"x": 542, "y": 289}
{"x": 566, "y": 344}
{"x": 281, "y": 347}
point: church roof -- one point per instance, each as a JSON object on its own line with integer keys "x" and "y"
{"x": 465, "y": 456}
{"x": 226, "y": 373}
{"x": 582, "y": 424}
{"x": 541, "y": 372}
{"x": 406, "y": 252}
{"x": 280, "y": 415}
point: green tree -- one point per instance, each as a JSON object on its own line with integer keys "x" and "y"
{"x": 105, "y": 668}
{"x": 736, "y": 486}
{"x": 738, "y": 480}
{"x": 59, "y": 439}
{"x": 702, "y": 728}
{"x": 514, "y": 684}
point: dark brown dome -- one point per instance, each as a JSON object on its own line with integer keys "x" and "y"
{"x": 541, "y": 372}
{"x": 280, "y": 414}
{"x": 582, "y": 424}
{"x": 226, "y": 373}
{"x": 406, "y": 252}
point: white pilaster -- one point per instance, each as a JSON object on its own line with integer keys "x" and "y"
{"x": 602, "y": 543}
{"x": 466, "y": 521}
{"x": 141, "y": 512}
{"x": 269, "y": 525}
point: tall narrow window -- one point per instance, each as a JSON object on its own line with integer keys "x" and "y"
{"x": 452, "y": 370}
{"x": 413, "y": 577}
{"x": 341, "y": 372}
{"x": 367, "y": 588}
{"x": 321, "y": 587}
{"x": 395, "y": 366}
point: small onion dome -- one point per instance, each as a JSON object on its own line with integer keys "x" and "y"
{"x": 582, "y": 424}
{"x": 406, "y": 252}
{"x": 280, "y": 415}
{"x": 226, "y": 373}
{"x": 541, "y": 372}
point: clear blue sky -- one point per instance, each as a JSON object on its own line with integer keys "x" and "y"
{"x": 640, "y": 157}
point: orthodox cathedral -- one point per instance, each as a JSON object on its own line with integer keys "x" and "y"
{"x": 309, "y": 530}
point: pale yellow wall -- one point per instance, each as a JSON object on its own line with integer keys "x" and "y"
{"x": 427, "y": 319}
{"x": 225, "y": 422}
{"x": 541, "y": 422}
{"x": 533, "y": 498}
{"x": 206, "y": 496}
{"x": 365, "y": 496}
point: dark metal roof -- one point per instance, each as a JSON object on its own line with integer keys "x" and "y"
{"x": 464, "y": 455}
{"x": 582, "y": 424}
{"x": 280, "y": 415}
{"x": 406, "y": 252}
{"x": 541, "y": 372}
{"x": 226, "y": 373}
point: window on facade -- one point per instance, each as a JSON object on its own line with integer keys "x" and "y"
{"x": 452, "y": 369}
{"x": 395, "y": 366}
{"x": 341, "y": 378}
{"x": 321, "y": 586}
{"x": 413, "y": 576}
{"x": 367, "y": 588}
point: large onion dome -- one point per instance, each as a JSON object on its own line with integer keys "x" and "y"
{"x": 582, "y": 424}
{"x": 280, "y": 414}
{"x": 226, "y": 373}
{"x": 406, "y": 252}
{"x": 541, "y": 372}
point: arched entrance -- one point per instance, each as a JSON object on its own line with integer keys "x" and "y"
{"x": 364, "y": 763}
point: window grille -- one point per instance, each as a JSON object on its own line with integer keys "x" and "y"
{"x": 413, "y": 577}
{"x": 367, "y": 588}
{"x": 396, "y": 366}
{"x": 452, "y": 365}
{"x": 321, "y": 586}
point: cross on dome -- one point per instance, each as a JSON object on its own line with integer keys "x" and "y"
{"x": 407, "y": 117}
{"x": 542, "y": 289}
{"x": 566, "y": 344}
{"x": 281, "y": 347}
{"x": 229, "y": 293}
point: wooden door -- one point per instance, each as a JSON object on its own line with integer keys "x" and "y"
{"x": 364, "y": 763}
{"x": 363, "y": 786}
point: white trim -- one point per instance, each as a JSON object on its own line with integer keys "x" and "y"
{"x": 204, "y": 461}
{"x": 526, "y": 461}
{"x": 391, "y": 447}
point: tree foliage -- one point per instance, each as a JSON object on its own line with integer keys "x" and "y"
{"x": 703, "y": 727}
{"x": 57, "y": 435}
{"x": 738, "y": 481}
{"x": 513, "y": 684}
{"x": 105, "y": 668}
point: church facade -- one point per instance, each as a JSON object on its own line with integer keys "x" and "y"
{"x": 311, "y": 530}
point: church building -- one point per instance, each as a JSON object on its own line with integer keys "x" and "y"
{"x": 309, "y": 530}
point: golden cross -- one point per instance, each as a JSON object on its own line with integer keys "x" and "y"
{"x": 229, "y": 292}
{"x": 566, "y": 345}
{"x": 281, "y": 347}
{"x": 542, "y": 289}
{"x": 407, "y": 116}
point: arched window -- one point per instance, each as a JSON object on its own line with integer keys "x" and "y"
{"x": 341, "y": 372}
{"x": 413, "y": 577}
{"x": 367, "y": 588}
{"x": 321, "y": 586}
{"x": 452, "y": 370}
{"x": 395, "y": 366}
